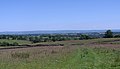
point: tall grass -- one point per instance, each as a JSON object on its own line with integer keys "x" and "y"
{"x": 70, "y": 57}
{"x": 20, "y": 55}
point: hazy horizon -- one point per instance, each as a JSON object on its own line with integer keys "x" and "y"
{"x": 63, "y": 30}
{"x": 32, "y": 15}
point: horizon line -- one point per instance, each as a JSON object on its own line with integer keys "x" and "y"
{"x": 60, "y": 30}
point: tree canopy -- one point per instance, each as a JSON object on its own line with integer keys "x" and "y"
{"x": 108, "y": 34}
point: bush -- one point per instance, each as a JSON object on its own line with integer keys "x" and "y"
{"x": 15, "y": 44}
{"x": 4, "y": 44}
{"x": 8, "y": 44}
{"x": 117, "y": 36}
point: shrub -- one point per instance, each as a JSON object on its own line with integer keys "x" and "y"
{"x": 4, "y": 44}
{"x": 15, "y": 44}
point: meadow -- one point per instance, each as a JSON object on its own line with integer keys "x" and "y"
{"x": 75, "y": 54}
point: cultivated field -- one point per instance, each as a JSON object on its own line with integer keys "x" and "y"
{"x": 74, "y": 54}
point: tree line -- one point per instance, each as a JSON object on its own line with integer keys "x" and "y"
{"x": 109, "y": 34}
{"x": 46, "y": 37}
{"x": 8, "y": 44}
{"x": 51, "y": 37}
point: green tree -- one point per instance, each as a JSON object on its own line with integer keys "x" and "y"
{"x": 117, "y": 36}
{"x": 4, "y": 44}
{"x": 108, "y": 34}
{"x": 15, "y": 44}
{"x": 84, "y": 37}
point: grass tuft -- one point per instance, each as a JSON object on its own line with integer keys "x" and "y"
{"x": 20, "y": 55}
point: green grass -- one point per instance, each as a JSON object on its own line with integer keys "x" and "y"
{"x": 76, "y": 54}
{"x": 68, "y": 43}
{"x": 64, "y": 58}
{"x": 85, "y": 42}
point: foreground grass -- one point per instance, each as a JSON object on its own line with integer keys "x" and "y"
{"x": 76, "y": 54}
{"x": 69, "y": 57}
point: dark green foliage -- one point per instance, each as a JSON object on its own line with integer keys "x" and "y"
{"x": 108, "y": 34}
{"x": 15, "y": 44}
{"x": 84, "y": 37}
{"x": 4, "y": 44}
{"x": 45, "y": 37}
{"x": 8, "y": 44}
{"x": 117, "y": 36}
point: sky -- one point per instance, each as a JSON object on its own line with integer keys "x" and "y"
{"x": 30, "y": 15}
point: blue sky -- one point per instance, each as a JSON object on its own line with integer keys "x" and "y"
{"x": 26, "y": 15}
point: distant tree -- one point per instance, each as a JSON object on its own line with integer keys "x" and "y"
{"x": 53, "y": 39}
{"x": 84, "y": 37}
{"x": 4, "y": 44}
{"x": 108, "y": 34}
{"x": 0, "y": 44}
{"x": 15, "y": 44}
{"x": 31, "y": 38}
{"x": 117, "y": 36}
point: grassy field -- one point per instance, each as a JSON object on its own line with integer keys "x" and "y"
{"x": 85, "y": 42}
{"x": 83, "y": 54}
{"x": 20, "y": 42}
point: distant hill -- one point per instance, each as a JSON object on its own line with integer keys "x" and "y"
{"x": 53, "y": 32}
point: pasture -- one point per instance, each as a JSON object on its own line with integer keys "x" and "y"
{"x": 75, "y": 54}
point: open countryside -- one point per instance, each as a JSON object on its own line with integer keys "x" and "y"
{"x": 59, "y": 34}
{"x": 90, "y": 53}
